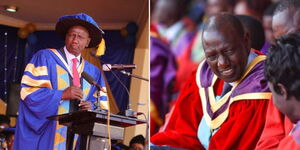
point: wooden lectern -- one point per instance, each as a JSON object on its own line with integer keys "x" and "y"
{"x": 92, "y": 127}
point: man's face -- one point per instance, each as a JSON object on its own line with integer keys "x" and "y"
{"x": 77, "y": 39}
{"x": 281, "y": 24}
{"x": 281, "y": 102}
{"x": 226, "y": 54}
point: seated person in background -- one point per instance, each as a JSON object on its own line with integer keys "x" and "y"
{"x": 255, "y": 31}
{"x": 286, "y": 19}
{"x": 163, "y": 70}
{"x": 9, "y": 137}
{"x": 137, "y": 143}
{"x": 267, "y": 23}
{"x": 223, "y": 105}
{"x": 282, "y": 72}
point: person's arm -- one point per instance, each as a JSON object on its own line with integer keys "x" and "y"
{"x": 274, "y": 130}
{"x": 39, "y": 98}
{"x": 181, "y": 129}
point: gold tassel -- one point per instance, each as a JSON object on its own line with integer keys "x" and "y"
{"x": 101, "y": 48}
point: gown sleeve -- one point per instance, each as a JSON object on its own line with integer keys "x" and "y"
{"x": 39, "y": 99}
{"x": 181, "y": 129}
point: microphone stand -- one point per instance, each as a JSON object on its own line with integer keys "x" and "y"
{"x": 133, "y": 75}
{"x": 98, "y": 109}
{"x": 129, "y": 112}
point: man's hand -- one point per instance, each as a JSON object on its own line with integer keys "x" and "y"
{"x": 85, "y": 105}
{"x": 72, "y": 93}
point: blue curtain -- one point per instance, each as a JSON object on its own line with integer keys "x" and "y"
{"x": 119, "y": 50}
{"x": 41, "y": 40}
{"x": 12, "y": 54}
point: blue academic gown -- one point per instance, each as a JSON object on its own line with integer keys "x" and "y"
{"x": 45, "y": 77}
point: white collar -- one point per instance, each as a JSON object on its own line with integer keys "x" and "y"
{"x": 70, "y": 56}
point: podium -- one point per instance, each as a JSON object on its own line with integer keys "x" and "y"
{"x": 92, "y": 127}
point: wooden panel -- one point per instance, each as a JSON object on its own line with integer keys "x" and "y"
{"x": 2, "y": 107}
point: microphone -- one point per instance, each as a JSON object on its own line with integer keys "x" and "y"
{"x": 109, "y": 67}
{"x": 92, "y": 81}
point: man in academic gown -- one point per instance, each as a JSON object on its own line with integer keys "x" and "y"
{"x": 52, "y": 85}
{"x": 282, "y": 72}
{"x": 223, "y": 104}
{"x": 285, "y": 20}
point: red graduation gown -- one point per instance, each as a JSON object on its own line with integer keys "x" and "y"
{"x": 288, "y": 143}
{"x": 241, "y": 129}
{"x": 276, "y": 128}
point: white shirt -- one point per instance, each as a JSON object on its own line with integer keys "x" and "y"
{"x": 70, "y": 56}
